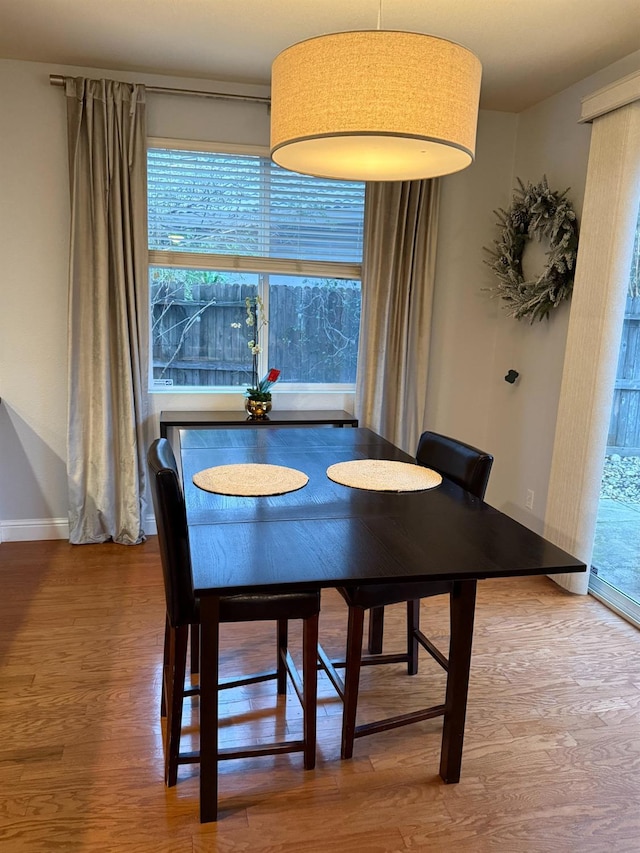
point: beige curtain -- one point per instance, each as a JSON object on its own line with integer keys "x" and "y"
{"x": 107, "y": 310}
{"x": 397, "y": 296}
{"x": 609, "y": 218}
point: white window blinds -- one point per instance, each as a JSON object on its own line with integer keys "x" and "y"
{"x": 246, "y": 206}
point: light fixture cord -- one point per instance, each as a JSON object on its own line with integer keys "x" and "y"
{"x": 380, "y": 15}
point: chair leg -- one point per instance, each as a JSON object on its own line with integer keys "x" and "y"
{"x": 195, "y": 649}
{"x": 283, "y": 640}
{"x": 376, "y": 630}
{"x": 355, "y": 631}
{"x": 175, "y": 688}
{"x": 310, "y": 688}
{"x": 165, "y": 665}
{"x": 413, "y": 625}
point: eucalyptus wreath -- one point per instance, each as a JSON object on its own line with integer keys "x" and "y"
{"x": 536, "y": 212}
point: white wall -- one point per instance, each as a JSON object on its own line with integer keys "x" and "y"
{"x": 473, "y": 344}
{"x": 461, "y": 367}
{"x": 34, "y": 223}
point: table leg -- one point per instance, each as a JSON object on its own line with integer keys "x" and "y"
{"x": 209, "y": 642}
{"x": 463, "y": 599}
{"x": 376, "y": 630}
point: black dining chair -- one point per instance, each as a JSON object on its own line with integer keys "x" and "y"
{"x": 182, "y": 611}
{"x": 468, "y": 467}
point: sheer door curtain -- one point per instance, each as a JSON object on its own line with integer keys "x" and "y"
{"x": 609, "y": 217}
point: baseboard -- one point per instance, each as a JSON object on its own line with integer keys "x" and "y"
{"x": 34, "y": 529}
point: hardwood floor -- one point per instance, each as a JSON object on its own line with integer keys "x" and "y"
{"x": 552, "y": 752}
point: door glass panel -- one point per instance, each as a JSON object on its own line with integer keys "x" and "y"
{"x": 616, "y": 554}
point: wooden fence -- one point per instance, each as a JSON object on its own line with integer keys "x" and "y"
{"x": 313, "y": 337}
{"x": 624, "y": 428}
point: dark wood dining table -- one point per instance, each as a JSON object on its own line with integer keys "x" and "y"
{"x": 329, "y": 535}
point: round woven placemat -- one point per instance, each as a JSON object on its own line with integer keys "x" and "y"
{"x": 250, "y": 480}
{"x": 382, "y": 475}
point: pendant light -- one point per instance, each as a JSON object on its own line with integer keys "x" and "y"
{"x": 374, "y": 105}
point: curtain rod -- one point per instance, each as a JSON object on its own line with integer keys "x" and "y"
{"x": 58, "y": 80}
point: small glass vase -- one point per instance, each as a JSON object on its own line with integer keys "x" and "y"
{"x": 257, "y": 409}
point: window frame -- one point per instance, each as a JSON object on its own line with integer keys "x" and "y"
{"x": 242, "y": 264}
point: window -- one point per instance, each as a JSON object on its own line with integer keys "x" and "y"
{"x": 227, "y": 226}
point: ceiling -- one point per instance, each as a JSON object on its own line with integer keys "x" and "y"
{"x": 529, "y": 49}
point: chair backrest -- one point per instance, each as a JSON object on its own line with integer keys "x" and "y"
{"x": 465, "y": 465}
{"x": 173, "y": 536}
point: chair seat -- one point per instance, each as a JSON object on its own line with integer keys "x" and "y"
{"x": 378, "y": 595}
{"x": 256, "y": 608}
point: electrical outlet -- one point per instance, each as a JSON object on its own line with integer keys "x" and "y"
{"x": 529, "y": 501}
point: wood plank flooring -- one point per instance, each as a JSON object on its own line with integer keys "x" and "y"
{"x": 552, "y": 752}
